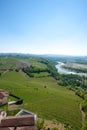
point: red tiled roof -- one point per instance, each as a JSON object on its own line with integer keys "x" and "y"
{"x": 3, "y": 94}
{"x": 20, "y": 121}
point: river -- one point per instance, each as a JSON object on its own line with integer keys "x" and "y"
{"x": 62, "y": 70}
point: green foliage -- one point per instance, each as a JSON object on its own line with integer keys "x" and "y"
{"x": 17, "y": 70}
{"x": 4, "y": 107}
{"x": 40, "y": 124}
{"x": 71, "y": 80}
{"x": 84, "y": 106}
{"x": 12, "y": 112}
{"x": 52, "y": 70}
{"x": 85, "y": 126}
{"x": 28, "y": 71}
{"x": 0, "y": 74}
{"x": 80, "y": 93}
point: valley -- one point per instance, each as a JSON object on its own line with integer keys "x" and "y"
{"x": 38, "y": 85}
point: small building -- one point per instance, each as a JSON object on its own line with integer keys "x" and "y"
{"x": 3, "y": 97}
{"x": 25, "y": 112}
{"x": 24, "y": 120}
{"x": 18, "y": 123}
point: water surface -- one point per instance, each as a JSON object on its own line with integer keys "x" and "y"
{"x": 62, "y": 70}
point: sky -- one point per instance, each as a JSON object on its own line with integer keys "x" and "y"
{"x": 43, "y": 27}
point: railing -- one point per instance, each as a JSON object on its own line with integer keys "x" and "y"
{"x": 25, "y": 122}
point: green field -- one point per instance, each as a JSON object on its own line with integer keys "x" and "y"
{"x": 35, "y": 62}
{"x": 7, "y": 62}
{"x": 44, "y": 97}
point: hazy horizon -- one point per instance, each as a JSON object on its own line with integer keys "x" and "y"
{"x": 56, "y": 27}
{"x": 62, "y": 55}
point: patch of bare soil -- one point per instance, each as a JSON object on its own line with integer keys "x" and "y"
{"x": 20, "y": 64}
{"x": 52, "y": 125}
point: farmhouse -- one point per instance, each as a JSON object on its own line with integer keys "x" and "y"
{"x": 23, "y": 112}
{"x": 3, "y": 97}
{"x": 24, "y": 122}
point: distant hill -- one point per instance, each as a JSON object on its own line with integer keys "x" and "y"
{"x": 12, "y": 63}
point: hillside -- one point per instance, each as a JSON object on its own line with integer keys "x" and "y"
{"x": 12, "y": 63}
{"x": 41, "y": 94}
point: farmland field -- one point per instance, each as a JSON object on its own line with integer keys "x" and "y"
{"x": 44, "y": 97}
{"x": 41, "y": 93}
{"x": 76, "y": 65}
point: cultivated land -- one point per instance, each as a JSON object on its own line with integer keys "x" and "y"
{"x": 76, "y": 65}
{"x": 42, "y": 95}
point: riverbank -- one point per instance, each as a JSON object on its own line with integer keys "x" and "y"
{"x": 63, "y": 69}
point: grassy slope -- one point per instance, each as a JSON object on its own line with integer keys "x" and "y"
{"x": 52, "y": 102}
{"x": 35, "y": 62}
{"x": 7, "y": 62}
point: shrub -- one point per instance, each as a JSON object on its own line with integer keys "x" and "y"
{"x": 84, "y": 106}
{"x": 40, "y": 124}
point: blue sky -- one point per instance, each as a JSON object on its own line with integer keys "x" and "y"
{"x": 43, "y": 26}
